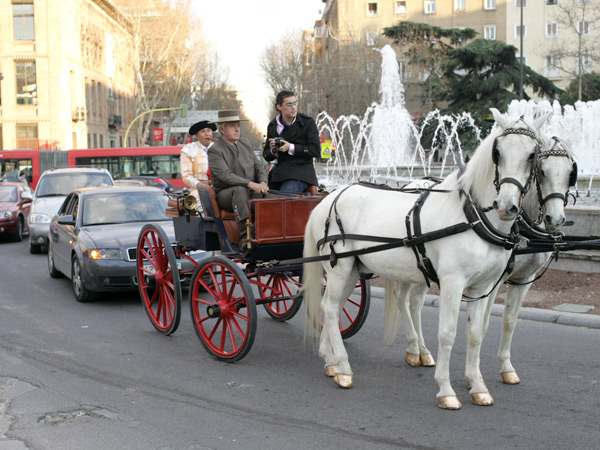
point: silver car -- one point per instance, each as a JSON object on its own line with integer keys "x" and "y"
{"x": 93, "y": 237}
{"x": 54, "y": 185}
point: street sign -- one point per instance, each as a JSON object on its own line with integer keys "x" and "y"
{"x": 157, "y": 133}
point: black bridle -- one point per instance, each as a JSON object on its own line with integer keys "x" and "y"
{"x": 557, "y": 149}
{"x": 496, "y": 158}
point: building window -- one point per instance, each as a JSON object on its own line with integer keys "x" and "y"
{"x": 372, "y": 9}
{"x": 26, "y": 84}
{"x": 519, "y": 2}
{"x": 586, "y": 63}
{"x": 583, "y": 27}
{"x": 552, "y": 66}
{"x": 402, "y": 69}
{"x": 23, "y": 22}
{"x": 551, "y": 2}
{"x": 460, "y": 5}
{"x": 371, "y": 37}
{"x": 95, "y": 140}
{"x": 401, "y": 7}
{"x": 520, "y": 30}
{"x": 490, "y": 4}
{"x": 489, "y": 32}
{"x": 551, "y": 29}
{"x": 429, "y": 6}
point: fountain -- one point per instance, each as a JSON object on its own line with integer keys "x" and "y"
{"x": 384, "y": 145}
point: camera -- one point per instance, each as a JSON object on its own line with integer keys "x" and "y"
{"x": 277, "y": 142}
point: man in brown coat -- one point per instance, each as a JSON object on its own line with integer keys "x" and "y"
{"x": 235, "y": 171}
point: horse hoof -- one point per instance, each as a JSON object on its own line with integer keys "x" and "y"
{"x": 427, "y": 361}
{"x": 510, "y": 378}
{"x": 344, "y": 381}
{"x": 450, "y": 402}
{"x": 331, "y": 370}
{"x": 482, "y": 399}
{"x": 412, "y": 360}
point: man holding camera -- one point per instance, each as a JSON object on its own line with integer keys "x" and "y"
{"x": 293, "y": 141}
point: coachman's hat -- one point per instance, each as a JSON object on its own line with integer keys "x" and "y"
{"x": 229, "y": 115}
{"x": 201, "y": 126}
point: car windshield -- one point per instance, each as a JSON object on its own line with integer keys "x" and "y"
{"x": 124, "y": 207}
{"x": 8, "y": 194}
{"x": 61, "y": 184}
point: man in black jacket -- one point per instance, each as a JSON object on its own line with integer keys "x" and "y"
{"x": 293, "y": 141}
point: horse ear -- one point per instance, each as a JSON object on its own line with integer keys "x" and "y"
{"x": 499, "y": 118}
{"x": 540, "y": 121}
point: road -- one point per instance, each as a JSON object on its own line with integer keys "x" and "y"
{"x": 97, "y": 376}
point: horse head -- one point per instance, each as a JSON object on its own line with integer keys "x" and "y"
{"x": 555, "y": 173}
{"x": 514, "y": 153}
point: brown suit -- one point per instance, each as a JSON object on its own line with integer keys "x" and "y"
{"x": 232, "y": 167}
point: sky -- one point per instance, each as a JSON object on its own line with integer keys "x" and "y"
{"x": 239, "y": 31}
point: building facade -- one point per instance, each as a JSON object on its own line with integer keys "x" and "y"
{"x": 67, "y": 80}
{"x": 549, "y": 43}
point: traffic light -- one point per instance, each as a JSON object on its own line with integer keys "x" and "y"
{"x": 184, "y": 110}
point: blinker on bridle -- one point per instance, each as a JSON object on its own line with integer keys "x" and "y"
{"x": 556, "y": 150}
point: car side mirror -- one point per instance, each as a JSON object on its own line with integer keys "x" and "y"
{"x": 66, "y": 220}
{"x": 26, "y": 196}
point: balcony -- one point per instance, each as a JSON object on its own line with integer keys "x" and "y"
{"x": 35, "y": 144}
{"x": 114, "y": 121}
{"x": 78, "y": 114}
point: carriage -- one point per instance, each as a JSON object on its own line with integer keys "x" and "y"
{"x": 457, "y": 239}
{"x": 225, "y": 284}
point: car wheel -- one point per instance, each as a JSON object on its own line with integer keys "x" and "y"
{"x": 18, "y": 235}
{"x": 51, "y": 269}
{"x": 34, "y": 249}
{"x": 82, "y": 294}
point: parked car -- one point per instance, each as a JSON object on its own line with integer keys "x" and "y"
{"x": 15, "y": 204}
{"x": 93, "y": 238}
{"x": 52, "y": 188}
{"x": 155, "y": 181}
{"x": 124, "y": 182}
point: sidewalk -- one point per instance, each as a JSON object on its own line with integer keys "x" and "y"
{"x": 539, "y": 315}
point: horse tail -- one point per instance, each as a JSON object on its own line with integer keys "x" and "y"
{"x": 311, "y": 286}
{"x": 391, "y": 313}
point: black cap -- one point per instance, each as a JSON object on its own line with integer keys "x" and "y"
{"x": 201, "y": 126}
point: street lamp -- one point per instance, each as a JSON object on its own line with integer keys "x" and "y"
{"x": 521, "y": 56}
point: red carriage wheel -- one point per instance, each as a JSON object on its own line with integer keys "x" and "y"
{"x": 225, "y": 316}
{"x": 158, "y": 279}
{"x": 281, "y": 284}
{"x": 354, "y": 313}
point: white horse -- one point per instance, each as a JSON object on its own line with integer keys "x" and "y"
{"x": 555, "y": 173}
{"x": 497, "y": 175}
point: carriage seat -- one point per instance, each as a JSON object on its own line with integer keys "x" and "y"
{"x": 227, "y": 217}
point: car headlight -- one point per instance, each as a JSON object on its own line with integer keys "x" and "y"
{"x": 39, "y": 218}
{"x": 6, "y": 214}
{"x": 106, "y": 253}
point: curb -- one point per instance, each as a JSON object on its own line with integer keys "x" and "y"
{"x": 525, "y": 313}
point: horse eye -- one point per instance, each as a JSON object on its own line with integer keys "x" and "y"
{"x": 531, "y": 157}
{"x": 542, "y": 172}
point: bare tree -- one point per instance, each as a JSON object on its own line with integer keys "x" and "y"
{"x": 168, "y": 54}
{"x": 579, "y": 46}
{"x": 282, "y": 64}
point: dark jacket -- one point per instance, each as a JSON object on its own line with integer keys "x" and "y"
{"x": 304, "y": 135}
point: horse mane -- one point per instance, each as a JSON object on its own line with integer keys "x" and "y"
{"x": 480, "y": 169}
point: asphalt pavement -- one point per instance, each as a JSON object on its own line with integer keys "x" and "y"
{"x": 537, "y": 314}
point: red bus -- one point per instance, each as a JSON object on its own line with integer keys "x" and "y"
{"x": 126, "y": 162}
{"x": 120, "y": 162}
{"x": 32, "y": 162}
